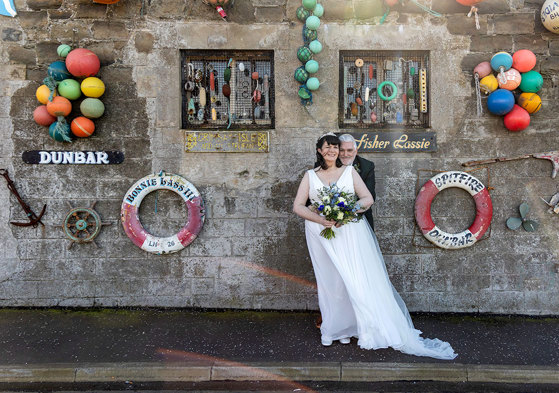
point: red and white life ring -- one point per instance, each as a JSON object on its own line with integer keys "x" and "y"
{"x": 163, "y": 181}
{"x": 484, "y": 209}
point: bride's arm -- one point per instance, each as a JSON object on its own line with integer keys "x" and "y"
{"x": 301, "y": 210}
{"x": 365, "y": 198}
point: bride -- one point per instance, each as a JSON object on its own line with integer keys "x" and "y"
{"x": 355, "y": 295}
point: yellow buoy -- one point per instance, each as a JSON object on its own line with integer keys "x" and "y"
{"x": 530, "y": 101}
{"x": 43, "y": 94}
{"x": 488, "y": 84}
{"x": 93, "y": 87}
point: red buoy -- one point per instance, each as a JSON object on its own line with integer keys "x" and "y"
{"x": 42, "y": 117}
{"x": 517, "y": 119}
{"x": 469, "y": 3}
{"x": 82, "y": 63}
{"x": 523, "y": 60}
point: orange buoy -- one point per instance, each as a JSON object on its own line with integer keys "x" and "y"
{"x": 82, "y": 127}
{"x": 59, "y": 106}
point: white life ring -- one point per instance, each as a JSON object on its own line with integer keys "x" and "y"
{"x": 163, "y": 181}
{"x": 484, "y": 209}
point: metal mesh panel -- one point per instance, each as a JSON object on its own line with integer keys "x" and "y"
{"x": 399, "y": 73}
{"x": 250, "y": 103}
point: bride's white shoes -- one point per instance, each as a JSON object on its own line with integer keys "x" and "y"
{"x": 327, "y": 343}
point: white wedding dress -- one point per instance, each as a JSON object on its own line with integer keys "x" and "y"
{"x": 355, "y": 295}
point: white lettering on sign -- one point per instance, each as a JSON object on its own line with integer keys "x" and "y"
{"x": 458, "y": 178}
{"x": 450, "y": 240}
{"x": 73, "y": 157}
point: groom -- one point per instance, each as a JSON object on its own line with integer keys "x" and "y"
{"x": 365, "y": 168}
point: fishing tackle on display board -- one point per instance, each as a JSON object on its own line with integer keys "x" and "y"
{"x": 423, "y": 90}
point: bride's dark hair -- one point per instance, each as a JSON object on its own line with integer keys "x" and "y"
{"x": 332, "y": 140}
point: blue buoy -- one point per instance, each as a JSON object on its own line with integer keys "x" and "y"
{"x": 500, "y": 102}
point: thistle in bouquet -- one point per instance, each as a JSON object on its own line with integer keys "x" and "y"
{"x": 336, "y": 205}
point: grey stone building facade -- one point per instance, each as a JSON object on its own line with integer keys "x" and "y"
{"x": 251, "y": 252}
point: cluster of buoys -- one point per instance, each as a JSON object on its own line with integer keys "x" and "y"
{"x": 309, "y": 13}
{"x": 515, "y": 77}
{"x": 67, "y": 81}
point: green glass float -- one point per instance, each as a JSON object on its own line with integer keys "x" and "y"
{"x": 311, "y": 66}
{"x": 313, "y": 83}
{"x": 304, "y": 93}
{"x": 312, "y": 22}
{"x": 318, "y": 10}
{"x": 529, "y": 225}
{"x": 304, "y": 54}
{"x": 309, "y": 35}
{"x": 315, "y": 46}
{"x": 309, "y": 4}
{"x": 303, "y": 14}
{"x": 301, "y": 75}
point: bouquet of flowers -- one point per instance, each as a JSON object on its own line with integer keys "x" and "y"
{"x": 336, "y": 205}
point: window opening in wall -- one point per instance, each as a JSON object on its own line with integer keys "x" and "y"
{"x": 211, "y": 99}
{"x": 403, "y": 100}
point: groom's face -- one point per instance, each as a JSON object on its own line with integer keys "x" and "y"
{"x": 347, "y": 153}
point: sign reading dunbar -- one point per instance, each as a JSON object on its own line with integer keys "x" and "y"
{"x": 394, "y": 142}
{"x": 72, "y": 157}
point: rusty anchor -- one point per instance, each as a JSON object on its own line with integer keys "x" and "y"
{"x": 34, "y": 220}
{"x": 552, "y": 156}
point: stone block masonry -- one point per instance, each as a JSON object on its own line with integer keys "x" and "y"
{"x": 251, "y": 252}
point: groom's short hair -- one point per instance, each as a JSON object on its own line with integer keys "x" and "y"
{"x": 348, "y": 138}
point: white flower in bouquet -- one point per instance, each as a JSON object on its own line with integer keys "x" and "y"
{"x": 340, "y": 216}
{"x": 326, "y": 199}
{"x": 327, "y": 209}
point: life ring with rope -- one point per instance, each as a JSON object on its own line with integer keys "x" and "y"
{"x": 162, "y": 181}
{"x": 484, "y": 209}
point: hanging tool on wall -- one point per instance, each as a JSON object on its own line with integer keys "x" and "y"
{"x": 552, "y": 156}
{"x": 34, "y": 220}
{"x": 217, "y": 4}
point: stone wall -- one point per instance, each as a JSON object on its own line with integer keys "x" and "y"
{"x": 251, "y": 252}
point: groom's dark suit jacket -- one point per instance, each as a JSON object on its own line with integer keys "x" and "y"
{"x": 367, "y": 173}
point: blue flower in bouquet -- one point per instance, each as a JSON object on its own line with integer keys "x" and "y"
{"x": 321, "y": 208}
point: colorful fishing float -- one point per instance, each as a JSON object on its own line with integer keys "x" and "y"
{"x": 309, "y": 13}
{"x": 63, "y": 86}
{"x": 550, "y": 16}
{"x": 515, "y": 78}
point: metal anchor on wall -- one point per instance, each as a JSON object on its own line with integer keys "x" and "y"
{"x": 34, "y": 220}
